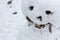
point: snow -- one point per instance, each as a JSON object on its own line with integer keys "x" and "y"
{"x": 9, "y": 23}
{"x": 40, "y": 6}
{"x": 15, "y": 26}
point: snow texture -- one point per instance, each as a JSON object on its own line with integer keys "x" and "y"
{"x": 40, "y": 7}
{"x": 14, "y": 26}
{"x": 9, "y": 22}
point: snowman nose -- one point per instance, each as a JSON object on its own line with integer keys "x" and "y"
{"x": 40, "y": 17}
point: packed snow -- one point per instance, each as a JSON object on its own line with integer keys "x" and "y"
{"x": 14, "y": 26}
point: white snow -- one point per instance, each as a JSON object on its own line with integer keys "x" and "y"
{"x": 40, "y": 6}
{"x": 9, "y": 23}
{"x": 15, "y": 27}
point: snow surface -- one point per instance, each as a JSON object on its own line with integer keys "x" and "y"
{"x": 40, "y": 6}
{"x": 15, "y": 27}
{"x": 9, "y": 23}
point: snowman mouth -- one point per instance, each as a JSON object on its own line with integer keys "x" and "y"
{"x": 39, "y": 26}
{"x": 28, "y": 19}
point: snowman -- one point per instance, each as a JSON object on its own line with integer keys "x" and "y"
{"x": 43, "y": 22}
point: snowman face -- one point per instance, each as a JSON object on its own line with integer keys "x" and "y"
{"x": 42, "y": 11}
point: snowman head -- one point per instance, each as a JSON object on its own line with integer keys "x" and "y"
{"x": 41, "y": 11}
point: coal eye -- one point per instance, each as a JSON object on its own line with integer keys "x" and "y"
{"x": 15, "y": 13}
{"x": 48, "y": 12}
{"x": 31, "y": 8}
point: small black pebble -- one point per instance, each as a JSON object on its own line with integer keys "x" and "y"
{"x": 48, "y": 12}
{"x": 15, "y": 13}
{"x": 9, "y": 2}
{"x": 31, "y": 7}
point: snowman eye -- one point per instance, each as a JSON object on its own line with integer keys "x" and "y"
{"x": 48, "y": 12}
{"x": 31, "y": 8}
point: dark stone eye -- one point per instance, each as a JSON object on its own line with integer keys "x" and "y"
{"x": 15, "y": 13}
{"x": 9, "y": 2}
{"x": 31, "y": 7}
{"x": 48, "y": 12}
